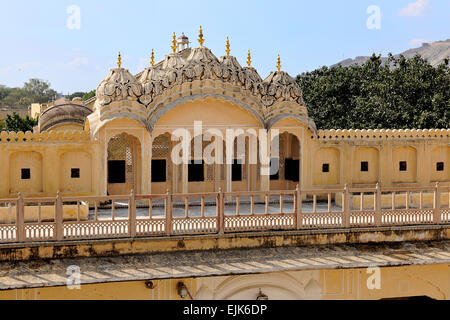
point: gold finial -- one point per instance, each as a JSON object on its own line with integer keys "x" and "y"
{"x": 249, "y": 59}
{"x": 279, "y": 63}
{"x": 174, "y": 43}
{"x": 200, "y": 37}
{"x": 228, "y": 47}
{"x": 152, "y": 60}
{"x": 119, "y": 60}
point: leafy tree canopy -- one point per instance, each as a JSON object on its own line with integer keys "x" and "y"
{"x": 17, "y": 123}
{"x": 403, "y": 93}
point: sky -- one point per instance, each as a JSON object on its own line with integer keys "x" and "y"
{"x": 73, "y": 43}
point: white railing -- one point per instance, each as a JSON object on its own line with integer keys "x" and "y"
{"x": 91, "y": 217}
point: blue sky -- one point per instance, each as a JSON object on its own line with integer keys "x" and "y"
{"x": 37, "y": 42}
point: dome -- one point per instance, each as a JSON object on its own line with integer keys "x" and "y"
{"x": 63, "y": 112}
{"x": 279, "y": 85}
{"x": 118, "y": 85}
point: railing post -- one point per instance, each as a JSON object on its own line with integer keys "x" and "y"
{"x": 299, "y": 207}
{"x": 169, "y": 211}
{"x": 59, "y": 229}
{"x": 220, "y": 212}
{"x": 437, "y": 204}
{"x": 346, "y": 206}
{"x": 378, "y": 205}
{"x": 132, "y": 213}
{"x": 20, "y": 221}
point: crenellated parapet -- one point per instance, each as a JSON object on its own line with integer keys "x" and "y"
{"x": 381, "y": 134}
{"x": 75, "y": 136}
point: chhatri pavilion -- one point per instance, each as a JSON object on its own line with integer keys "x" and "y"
{"x": 121, "y": 140}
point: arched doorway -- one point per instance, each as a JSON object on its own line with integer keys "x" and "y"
{"x": 123, "y": 165}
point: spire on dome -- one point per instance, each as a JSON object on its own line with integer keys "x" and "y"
{"x": 119, "y": 61}
{"x": 227, "y": 46}
{"x": 278, "y": 63}
{"x": 152, "y": 59}
{"x": 174, "y": 43}
{"x": 200, "y": 37}
{"x": 249, "y": 59}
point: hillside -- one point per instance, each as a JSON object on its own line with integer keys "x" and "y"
{"x": 433, "y": 52}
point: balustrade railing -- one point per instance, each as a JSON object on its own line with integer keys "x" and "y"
{"x": 90, "y": 217}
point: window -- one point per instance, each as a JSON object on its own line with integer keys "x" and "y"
{"x": 439, "y": 166}
{"x": 25, "y": 174}
{"x": 116, "y": 171}
{"x": 364, "y": 166}
{"x": 75, "y": 173}
{"x": 291, "y": 168}
{"x": 196, "y": 171}
{"x": 274, "y": 169}
{"x": 236, "y": 170}
{"x": 402, "y": 166}
{"x": 326, "y": 167}
{"x": 159, "y": 171}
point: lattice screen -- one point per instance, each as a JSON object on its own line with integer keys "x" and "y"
{"x": 161, "y": 150}
{"x": 120, "y": 147}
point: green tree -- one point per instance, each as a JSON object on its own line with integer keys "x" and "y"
{"x": 17, "y": 123}
{"x": 89, "y": 95}
{"x": 402, "y": 93}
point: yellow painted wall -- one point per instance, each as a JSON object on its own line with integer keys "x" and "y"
{"x": 332, "y": 157}
{"x": 80, "y": 160}
{"x": 408, "y": 154}
{"x": 26, "y": 160}
{"x": 370, "y": 155}
{"x": 440, "y": 154}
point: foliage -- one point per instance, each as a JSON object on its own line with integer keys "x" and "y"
{"x": 17, "y": 123}
{"x": 403, "y": 93}
{"x": 33, "y": 91}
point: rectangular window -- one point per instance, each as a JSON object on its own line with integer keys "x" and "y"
{"x": 364, "y": 166}
{"x": 236, "y": 170}
{"x": 116, "y": 171}
{"x": 196, "y": 171}
{"x": 25, "y": 174}
{"x": 325, "y": 167}
{"x": 439, "y": 166}
{"x": 159, "y": 171}
{"x": 403, "y": 166}
{"x": 291, "y": 170}
{"x": 75, "y": 173}
{"x": 274, "y": 169}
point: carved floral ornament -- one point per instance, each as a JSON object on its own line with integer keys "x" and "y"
{"x": 200, "y": 64}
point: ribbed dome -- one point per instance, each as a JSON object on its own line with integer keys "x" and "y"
{"x": 63, "y": 111}
{"x": 280, "y": 85}
{"x": 119, "y": 84}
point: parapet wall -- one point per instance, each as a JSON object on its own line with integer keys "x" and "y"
{"x": 51, "y": 136}
{"x": 382, "y": 134}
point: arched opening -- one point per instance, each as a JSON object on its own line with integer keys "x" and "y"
{"x": 287, "y": 160}
{"x": 162, "y": 166}
{"x": 123, "y": 164}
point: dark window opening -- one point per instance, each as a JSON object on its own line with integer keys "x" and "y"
{"x": 274, "y": 169}
{"x": 325, "y": 167}
{"x": 159, "y": 171}
{"x": 236, "y": 170}
{"x": 291, "y": 168}
{"x": 116, "y": 171}
{"x": 439, "y": 166}
{"x": 403, "y": 166}
{"x": 25, "y": 174}
{"x": 196, "y": 171}
{"x": 364, "y": 166}
{"x": 75, "y": 173}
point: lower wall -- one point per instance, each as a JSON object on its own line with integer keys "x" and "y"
{"x": 8, "y": 215}
{"x": 431, "y": 281}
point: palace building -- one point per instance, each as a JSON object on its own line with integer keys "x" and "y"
{"x": 362, "y": 186}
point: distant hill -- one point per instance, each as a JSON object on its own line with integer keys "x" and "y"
{"x": 434, "y": 52}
